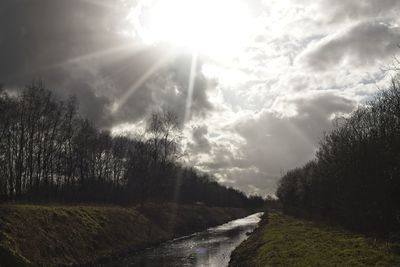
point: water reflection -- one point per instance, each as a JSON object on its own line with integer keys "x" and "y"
{"x": 209, "y": 248}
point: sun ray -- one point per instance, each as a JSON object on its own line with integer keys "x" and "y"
{"x": 102, "y": 4}
{"x": 192, "y": 81}
{"x": 128, "y": 48}
{"x": 156, "y": 66}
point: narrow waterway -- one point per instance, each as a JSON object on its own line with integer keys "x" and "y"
{"x": 212, "y": 247}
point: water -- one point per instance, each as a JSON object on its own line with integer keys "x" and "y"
{"x": 212, "y": 247}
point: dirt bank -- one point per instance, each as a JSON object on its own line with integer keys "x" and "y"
{"x": 37, "y": 235}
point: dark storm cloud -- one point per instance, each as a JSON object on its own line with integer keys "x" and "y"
{"x": 362, "y": 44}
{"x": 275, "y": 143}
{"x": 200, "y": 142}
{"x": 39, "y": 37}
{"x": 355, "y": 9}
{"x": 39, "y": 34}
{"x": 81, "y": 47}
{"x": 339, "y": 10}
{"x": 290, "y": 141}
{"x": 224, "y": 158}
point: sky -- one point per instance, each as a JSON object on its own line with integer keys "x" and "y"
{"x": 256, "y": 83}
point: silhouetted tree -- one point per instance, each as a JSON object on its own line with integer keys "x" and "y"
{"x": 49, "y": 152}
{"x": 355, "y": 178}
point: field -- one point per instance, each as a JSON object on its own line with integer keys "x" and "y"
{"x": 288, "y": 241}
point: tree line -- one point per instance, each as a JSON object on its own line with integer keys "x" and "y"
{"x": 49, "y": 152}
{"x": 355, "y": 177}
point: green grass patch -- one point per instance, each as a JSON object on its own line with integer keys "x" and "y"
{"x": 288, "y": 241}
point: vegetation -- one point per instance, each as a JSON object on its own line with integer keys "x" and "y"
{"x": 287, "y": 241}
{"x": 355, "y": 178}
{"x": 48, "y": 152}
{"x": 33, "y": 235}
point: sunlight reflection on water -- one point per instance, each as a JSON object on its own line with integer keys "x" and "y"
{"x": 208, "y": 248}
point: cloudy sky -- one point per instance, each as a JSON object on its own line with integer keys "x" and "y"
{"x": 256, "y": 83}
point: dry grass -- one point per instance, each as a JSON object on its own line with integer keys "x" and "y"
{"x": 56, "y": 235}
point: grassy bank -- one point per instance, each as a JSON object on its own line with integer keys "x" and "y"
{"x": 33, "y": 235}
{"x": 287, "y": 241}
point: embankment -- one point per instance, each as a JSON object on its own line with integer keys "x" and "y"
{"x": 36, "y": 235}
{"x": 287, "y": 241}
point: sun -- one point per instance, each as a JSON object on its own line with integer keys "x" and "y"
{"x": 215, "y": 28}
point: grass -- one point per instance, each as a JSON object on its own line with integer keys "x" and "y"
{"x": 56, "y": 235}
{"x": 288, "y": 241}
{"x": 37, "y": 235}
